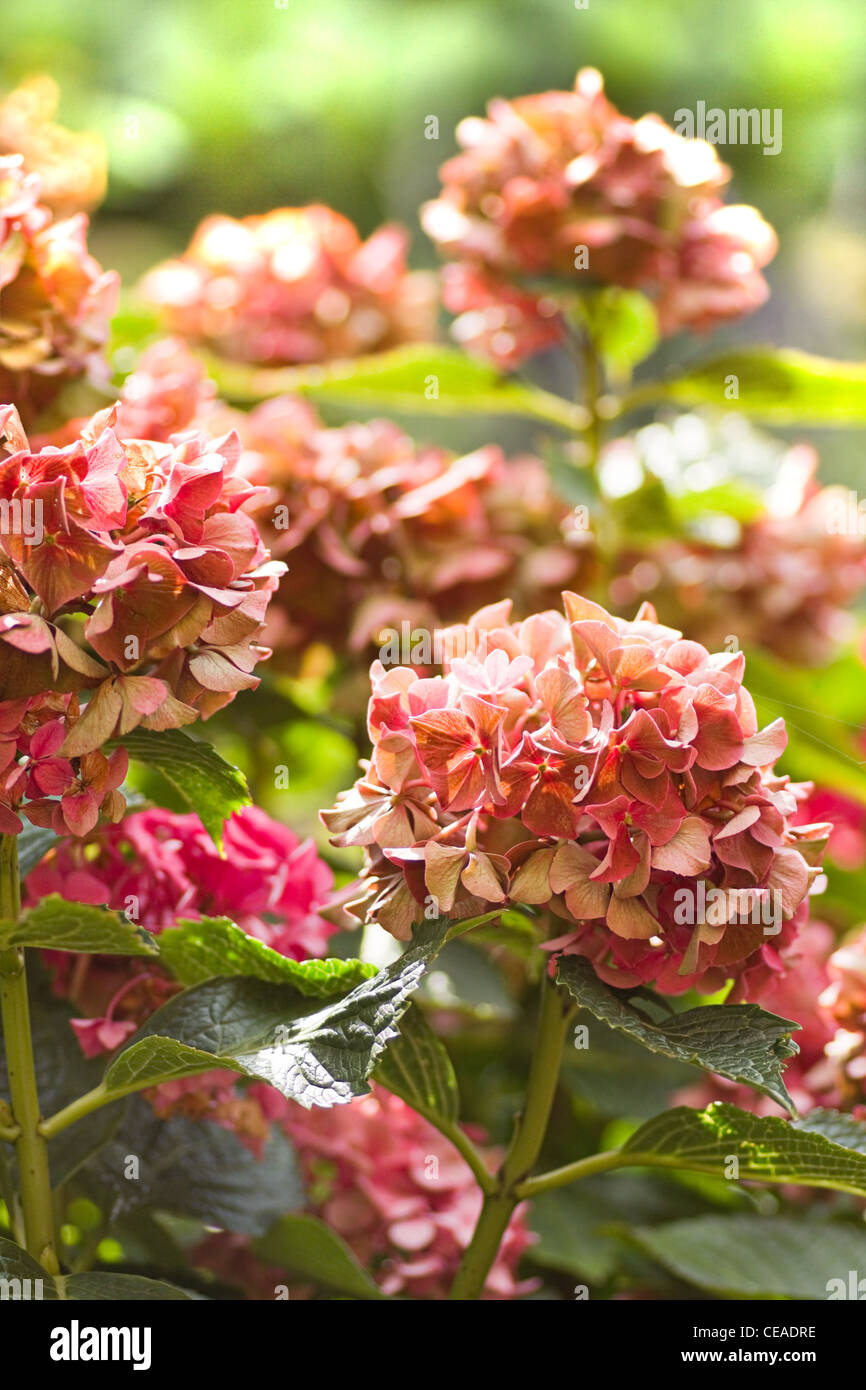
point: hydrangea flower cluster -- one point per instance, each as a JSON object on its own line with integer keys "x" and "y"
{"x": 71, "y": 165}
{"x": 143, "y": 551}
{"x": 561, "y": 185}
{"x": 781, "y": 577}
{"x": 379, "y": 532}
{"x": 397, "y": 1192}
{"x": 295, "y": 285}
{"x": 608, "y": 771}
{"x": 160, "y": 867}
{"x": 56, "y": 299}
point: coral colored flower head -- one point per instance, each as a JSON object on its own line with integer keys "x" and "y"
{"x": 132, "y": 579}
{"x": 561, "y": 186}
{"x": 608, "y": 771}
{"x": 383, "y": 537}
{"x": 295, "y": 285}
{"x": 56, "y": 299}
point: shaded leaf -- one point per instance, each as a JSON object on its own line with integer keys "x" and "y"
{"x": 310, "y": 1250}
{"x": 210, "y": 786}
{"x": 739, "y": 1041}
{"x": 267, "y": 1031}
{"x": 416, "y": 1067}
{"x": 745, "y": 1256}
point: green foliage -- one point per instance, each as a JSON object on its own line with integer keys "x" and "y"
{"x": 415, "y": 380}
{"x": 777, "y": 385}
{"x": 309, "y": 1250}
{"x": 270, "y": 1032}
{"x": 210, "y": 786}
{"x": 765, "y": 1149}
{"x": 742, "y": 1256}
{"x": 739, "y": 1041}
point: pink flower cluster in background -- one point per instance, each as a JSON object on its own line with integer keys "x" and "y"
{"x": 56, "y": 300}
{"x": 160, "y": 868}
{"x": 396, "y": 1191}
{"x": 295, "y": 285}
{"x": 599, "y": 768}
{"x": 546, "y": 175}
{"x": 378, "y": 531}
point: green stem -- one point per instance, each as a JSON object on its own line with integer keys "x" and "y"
{"x": 465, "y": 1147}
{"x": 84, "y": 1105}
{"x": 553, "y": 1021}
{"x": 30, "y": 1147}
{"x": 573, "y": 1172}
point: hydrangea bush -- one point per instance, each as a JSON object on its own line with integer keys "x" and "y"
{"x": 392, "y": 1039}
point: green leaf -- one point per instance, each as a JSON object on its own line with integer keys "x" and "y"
{"x": 16, "y": 1264}
{"x": 211, "y": 787}
{"x": 310, "y": 1250}
{"x": 625, "y": 327}
{"x": 63, "y": 1074}
{"x": 268, "y": 1032}
{"x": 739, "y": 1041}
{"x": 743, "y": 1256}
{"x": 420, "y": 379}
{"x": 214, "y": 947}
{"x": 34, "y": 842}
{"x": 119, "y": 1288}
{"x": 767, "y": 1149}
{"x": 615, "y": 1076}
{"x": 57, "y": 925}
{"x": 778, "y": 385}
{"x": 194, "y": 1168}
{"x": 579, "y": 1228}
{"x": 417, "y": 1068}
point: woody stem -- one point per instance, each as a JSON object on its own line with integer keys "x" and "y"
{"x": 30, "y": 1147}
{"x": 554, "y": 1017}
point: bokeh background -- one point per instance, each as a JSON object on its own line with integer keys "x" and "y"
{"x": 244, "y": 105}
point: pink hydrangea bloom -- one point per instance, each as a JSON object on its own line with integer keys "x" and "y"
{"x": 398, "y": 1192}
{"x": 56, "y": 300}
{"x": 131, "y": 570}
{"x": 609, "y": 771}
{"x": 378, "y": 531}
{"x": 546, "y": 175}
{"x": 268, "y": 882}
{"x": 782, "y": 577}
{"x": 294, "y": 285}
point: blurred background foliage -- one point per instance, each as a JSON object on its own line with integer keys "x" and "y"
{"x": 244, "y": 105}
